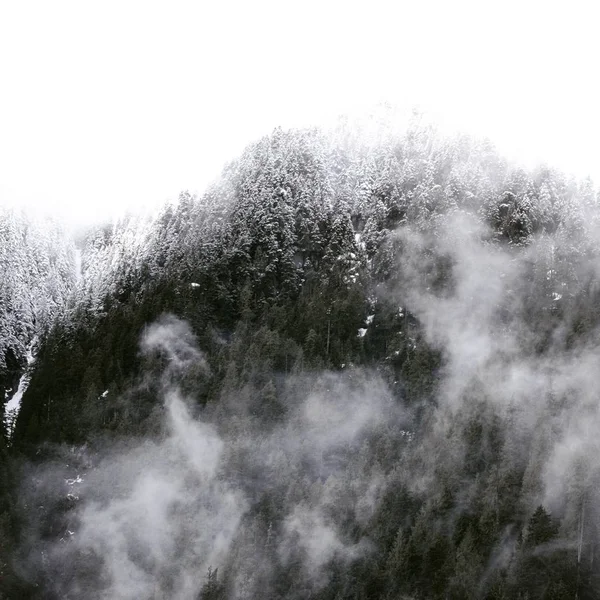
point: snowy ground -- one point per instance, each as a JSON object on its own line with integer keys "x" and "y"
{"x": 13, "y": 406}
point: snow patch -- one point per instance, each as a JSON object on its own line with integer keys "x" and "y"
{"x": 194, "y": 285}
{"x": 370, "y": 319}
{"x": 362, "y": 331}
{"x": 359, "y": 243}
{"x": 15, "y": 402}
{"x": 78, "y": 265}
{"x": 409, "y": 435}
{"x": 13, "y": 406}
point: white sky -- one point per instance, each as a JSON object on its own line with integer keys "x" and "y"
{"x": 113, "y": 104}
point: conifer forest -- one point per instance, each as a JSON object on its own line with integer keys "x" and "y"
{"x": 363, "y": 364}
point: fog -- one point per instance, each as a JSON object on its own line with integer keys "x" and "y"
{"x": 148, "y": 519}
{"x": 222, "y": 495}
{"x": 90, "y": 127}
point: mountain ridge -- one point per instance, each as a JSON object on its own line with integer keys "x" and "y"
{"x": 453, "y": 292}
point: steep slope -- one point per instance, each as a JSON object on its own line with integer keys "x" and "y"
{"x": 387, "y": 348}
{"x": 48, "y": 276}
{"x": 37, "y": 262}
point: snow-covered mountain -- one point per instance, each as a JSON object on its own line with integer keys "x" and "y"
{"x": 37, "y": 275}
{"x": 353, "y": 368}
{"x": 46, "y": 273}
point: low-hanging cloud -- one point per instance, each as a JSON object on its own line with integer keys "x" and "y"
{"x": 151, "y": 518}
{"x": 499, "y": 315}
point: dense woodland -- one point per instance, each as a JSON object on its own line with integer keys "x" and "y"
{"x": 361, "y": 365}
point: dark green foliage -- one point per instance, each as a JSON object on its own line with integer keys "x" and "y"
{"x": 213, "y": 589}
{"x": 540, "y": 529}
{"x": 277, "y": 268}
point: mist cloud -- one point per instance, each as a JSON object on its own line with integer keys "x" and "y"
{"x": 503, "y": 360}
{"x": 151, "y": 518}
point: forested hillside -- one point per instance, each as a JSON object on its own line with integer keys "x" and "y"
{"x": 37, "y": 261}
{"x": 359, "y": 366}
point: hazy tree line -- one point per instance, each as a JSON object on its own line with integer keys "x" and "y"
{"x": 451, "y": 293}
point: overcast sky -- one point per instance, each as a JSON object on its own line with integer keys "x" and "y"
{"x": 111, "y": 104}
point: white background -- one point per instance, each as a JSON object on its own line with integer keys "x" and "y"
{"x": 115, "y": 104}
